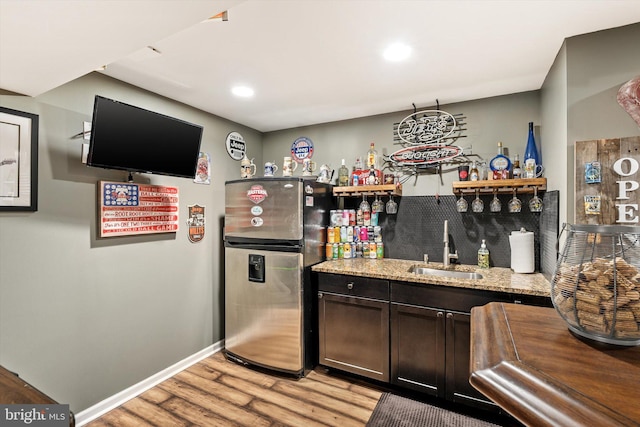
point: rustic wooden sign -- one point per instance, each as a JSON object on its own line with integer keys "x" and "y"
{"x": 607, "y": 181}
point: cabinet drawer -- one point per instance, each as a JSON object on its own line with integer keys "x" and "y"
{"x": 456, "y": 299}
{"x": 354, "y": 286}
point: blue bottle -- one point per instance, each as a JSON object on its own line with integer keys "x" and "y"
{"x": 531, "y": 152}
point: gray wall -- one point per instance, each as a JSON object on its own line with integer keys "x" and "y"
{"x": 490, "y": 120}
{"x": 83, "y": 318}
{"x": 597, "y": 65}
{"x": 554, "y": 130}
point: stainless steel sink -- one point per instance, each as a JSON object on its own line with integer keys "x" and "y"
{"x": 445, "y": 273}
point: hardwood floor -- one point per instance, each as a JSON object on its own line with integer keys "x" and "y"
{"x": 218, "y": 392}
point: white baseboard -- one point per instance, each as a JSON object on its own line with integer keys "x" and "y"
{"x": 118, "y": 399}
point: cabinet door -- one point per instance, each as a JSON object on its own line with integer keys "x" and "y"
{"x": 418, "y": 348}
{"x": 354, "y": 334}
{"x": 458, "y": 350}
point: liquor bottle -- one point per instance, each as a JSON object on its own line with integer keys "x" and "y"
{"x": 531, "y": 152}
{"x": 517, "y": 171}
{"x": 371, "y": 177}
{"x": 354, "y": 177}
{"x": 473, "y": 172}
{"x": 372, "y": 157}
{"x": 500, "y": 164}
{"x": 343, "y": 175}
{"x": 358, "y": 177}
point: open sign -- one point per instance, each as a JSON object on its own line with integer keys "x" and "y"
{"x": 625, "y": 167}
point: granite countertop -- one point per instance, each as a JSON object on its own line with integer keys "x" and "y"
{"x": 494, "y": 279}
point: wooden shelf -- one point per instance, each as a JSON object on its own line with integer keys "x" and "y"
{"x": 368, "y": 190}
{"x": 521, "y": 186}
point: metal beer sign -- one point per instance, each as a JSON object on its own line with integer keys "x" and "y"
{"x": 196, "y": 223}
{"x": 302, "y": 148}
{"x": 423, "y": 133}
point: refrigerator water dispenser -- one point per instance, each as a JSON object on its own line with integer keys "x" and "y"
{"x": 256, "y": 268}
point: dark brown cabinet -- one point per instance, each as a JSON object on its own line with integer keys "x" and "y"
{"x": 412, "y": 335}
{"x": 430, "y": 340}
{"x": 418, "y": 348}
{"x": 353, "y": 325}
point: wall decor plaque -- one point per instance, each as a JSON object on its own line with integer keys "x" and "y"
{"x": 127, "y": 208}
{"x": 618, "y": 188}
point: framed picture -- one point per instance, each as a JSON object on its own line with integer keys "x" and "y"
{"x": 18, "y": 160}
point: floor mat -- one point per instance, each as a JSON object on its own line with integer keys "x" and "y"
{"x": 397, "y": 411}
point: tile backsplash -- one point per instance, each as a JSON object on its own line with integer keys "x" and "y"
{"x": 418, "y": 228}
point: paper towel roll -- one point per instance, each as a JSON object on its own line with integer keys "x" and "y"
{"x": 522, "y": 252}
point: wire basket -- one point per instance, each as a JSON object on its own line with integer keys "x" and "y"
{"x": 596, "y": 285}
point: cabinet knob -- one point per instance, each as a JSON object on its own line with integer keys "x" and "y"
{"x": 449, "y": 315}
{"x": 439, "y": 314}
{"x": 350, "y": 285}
{"x": 319, "y": 295}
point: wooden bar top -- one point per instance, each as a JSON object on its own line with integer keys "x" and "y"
{"x": 525, "y": 359}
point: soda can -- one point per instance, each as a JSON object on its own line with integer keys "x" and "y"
{"x": 331, "y": 237}
{"x": 380, "y": 250}
{"x": 349, "y": 234}
{"x": 347, "y": 250}
{"x": 345, "y": 217}
{"x": 365, "y": 249}
{"x": 372, "y": 250}
{"x": 338, "y": 218}
{"x": 358, "y": 250}
{"x": 329, "y": 251}
{"x": 333, "y": 217}
{"x": 377, "y": 233}
{"x": 343, "y": 234}
{"x": 364, "y": 234}
{"x": 334, "y": 255}
{"x": 340, "y": 250}
{"x": 336, "y": 234}
{"x": 359, "y": 217}
{"x": 352, "y": 217}
{"x": 366, "y": 218}
{"x": 374, "y": 218}
{"x": 356, "y": 233}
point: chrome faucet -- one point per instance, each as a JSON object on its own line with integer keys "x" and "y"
{"x": 447, "y": 257}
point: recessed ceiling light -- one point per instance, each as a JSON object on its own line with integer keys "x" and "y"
{"x": 242, "y": 91}
{"x": 397, "y": 52}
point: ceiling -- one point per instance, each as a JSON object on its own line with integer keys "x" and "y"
{"x": 309, "y": 61}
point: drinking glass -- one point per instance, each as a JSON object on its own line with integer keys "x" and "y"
{"x": 392, "y": 206}
{"x": 377, "y": 205}
{"x": 364, "y": 205}
{"x": 495, "y": 205}
{"x": 535, "y": 204}
{"x": 462, "y": 204}
{"x": 477, "y": 205}
{"x": 515, "y": 205}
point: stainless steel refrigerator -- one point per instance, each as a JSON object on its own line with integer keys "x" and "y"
{"x": 274, "y": 231}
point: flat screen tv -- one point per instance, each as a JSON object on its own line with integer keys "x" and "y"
{"x": 133, "y": 139}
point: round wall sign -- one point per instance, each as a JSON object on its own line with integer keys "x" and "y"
{"x": 236, "y": 147}
{"x": 302, "y": 148}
